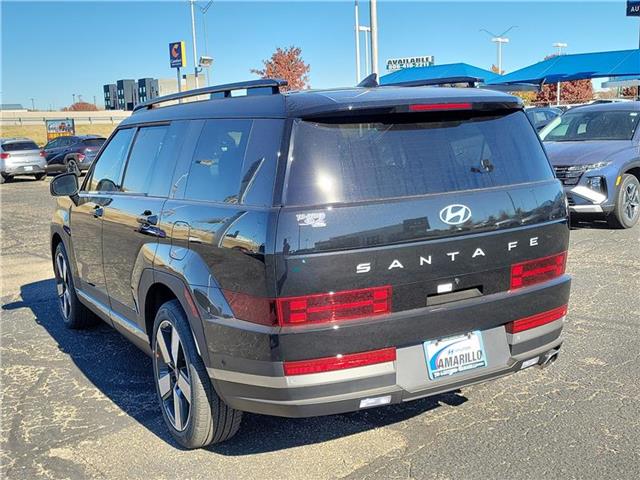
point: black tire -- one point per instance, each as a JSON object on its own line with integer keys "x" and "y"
{"x": 209, "y": 420}
{"x": 41, "y": 176}
{"x": 74, "y": 314}
{"x": 627, "y": 207}
{"x": 4, "y": 178}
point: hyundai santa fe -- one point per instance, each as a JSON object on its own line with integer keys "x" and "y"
{"x": 317, "y": 252}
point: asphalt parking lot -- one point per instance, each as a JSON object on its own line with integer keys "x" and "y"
{"x": 81, "y": 404}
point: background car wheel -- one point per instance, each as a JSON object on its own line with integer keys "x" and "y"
{"x": 195, "y": 415}
{"x": 41, "y": 176}
{"x": 72, "y": 167}
{"x": 4, "y": 179}
{"x": 627, "y": 208}
{"x": 74, "y": 314}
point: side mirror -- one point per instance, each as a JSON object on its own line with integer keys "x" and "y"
{"x": 65, "y": 185}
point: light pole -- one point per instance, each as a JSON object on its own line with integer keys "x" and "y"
{"x": 357, "y": 30}
{"x": 204, "y": 11}
{"x": 373, "y": 14}
{"x": 74, "y": 97}
{"x": 193, "y": 36}
{"x": 559, "y": 46}
{"x": 499, "y": 40}
{"x": 33, "y": 104}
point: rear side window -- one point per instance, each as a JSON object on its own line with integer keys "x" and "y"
{"x": 216, "y": 168}
{"x": 144, "y": 153}
{"x": 386, "y": 157}
{"x": 108, "y": 170}
{"x": 17, "y": 146}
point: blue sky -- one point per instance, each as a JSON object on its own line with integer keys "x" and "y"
{"x": 51, "y": 50}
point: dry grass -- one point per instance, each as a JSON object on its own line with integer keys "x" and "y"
{"x": 39, "y": 135}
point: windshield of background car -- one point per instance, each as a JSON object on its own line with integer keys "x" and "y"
{"x": 400, "y": 156}
{"x": 17, "y": 146}
{"x": 593, "y": 125}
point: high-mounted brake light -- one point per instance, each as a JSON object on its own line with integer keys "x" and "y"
{"x": 536, "y": 320}
{"x": 539, "y": 270}
{"x": 339, "y": 362}
{"x": 332, "y": 306}
{"x": 427, "y": 107}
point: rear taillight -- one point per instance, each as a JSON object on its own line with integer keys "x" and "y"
{"x": 339, "y": 362}
{"x": 428, "y": 107}
{"x": 81, "y": 157}
{"x": 536, "y": 320}
{"x": 42, "y": 154}
{"x": 311, "y": 309}
{"x": 4, "y": 155}
{"x": 334, "y": 306}
{"x": 538, "y": 270}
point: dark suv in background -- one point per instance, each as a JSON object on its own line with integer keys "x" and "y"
{"x": 317, "y": 252}
{"x": 72, "y": 154}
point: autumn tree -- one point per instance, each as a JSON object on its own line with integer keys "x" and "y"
{"x": 576, "y": 91}
{"x": 288, "y": 65}
{"x": 629, "y": 92}
{"x": 81, "y": 107}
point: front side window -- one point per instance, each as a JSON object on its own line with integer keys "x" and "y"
{"x": 108, "y": 170}
{"x": 217, "y": 163}
{"x": 593, "y": 125}
{"x": 388, "y": 157}
{"x": 146, "y": 149}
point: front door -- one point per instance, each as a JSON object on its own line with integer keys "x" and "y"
{"x": 86, "y": 218}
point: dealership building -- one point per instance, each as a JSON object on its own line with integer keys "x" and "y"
{"x": 126, "y": 93}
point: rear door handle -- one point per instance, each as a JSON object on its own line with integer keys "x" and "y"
{"x": 98, "y": 211}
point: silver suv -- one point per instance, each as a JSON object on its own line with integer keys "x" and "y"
{"x": 21, "y": 156}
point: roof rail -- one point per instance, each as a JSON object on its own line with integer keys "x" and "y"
{"x": 226, "y": 89}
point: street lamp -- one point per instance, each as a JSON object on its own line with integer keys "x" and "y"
{"x": 559, "y": 46}
{"x": 499, "y": 40}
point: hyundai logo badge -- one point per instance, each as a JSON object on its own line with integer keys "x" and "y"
{"x": 456, "y": 214}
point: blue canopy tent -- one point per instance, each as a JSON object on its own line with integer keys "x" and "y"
{"x": 439, "y": 74}
{"x": 581, "y": 66}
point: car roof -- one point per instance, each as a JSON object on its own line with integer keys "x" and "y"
{"x": 632, "y": 106}
{"x": 15, "y": 140}
{"x": 305, "y": 103}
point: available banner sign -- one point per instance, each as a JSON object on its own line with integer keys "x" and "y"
{"x": 409, "y": 62}
{"x": 633, "y": 8}
{"x": 60, "y": 128}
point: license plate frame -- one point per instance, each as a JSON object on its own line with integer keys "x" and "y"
{"x": 28, "y": 168}
{"x": 449, "y": 356}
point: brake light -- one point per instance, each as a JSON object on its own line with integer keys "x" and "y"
{"x": 81, "y": 157}
{"x": 536, "y": 320}
{"x": 42, "y": 154}
{"x": 339, "y": 362}
{"x": 4, "y": 155}
{"x": 334, "y": 306}
{"x": 538, "y": 270}
{"x": 426, "y": 107}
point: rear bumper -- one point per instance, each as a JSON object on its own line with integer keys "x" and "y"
{"x": 404, "y": 380}
{"x": 26, "y": 169}
{"x": 250, "y": 375}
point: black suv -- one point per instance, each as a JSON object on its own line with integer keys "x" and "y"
{"x": 317, "y": 252}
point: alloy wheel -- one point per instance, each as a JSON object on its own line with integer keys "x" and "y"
{"x": 631, "y": 201}
{"x": 63, "y": 285}
{"x": 72, "y": 167}
{"x": 172, "y": 375}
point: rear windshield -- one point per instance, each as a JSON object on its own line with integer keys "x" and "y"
{"x": 349, "y": 162}
{"x": 16, "y": 146}
{"x": 94, "y": 142}
{"x": 593, "y": 125}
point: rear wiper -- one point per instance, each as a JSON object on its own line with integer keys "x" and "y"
{"x": 485, "y": 166}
